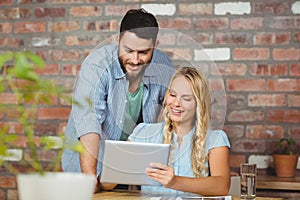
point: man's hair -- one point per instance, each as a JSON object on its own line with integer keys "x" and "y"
{"x": 141, "y": 23}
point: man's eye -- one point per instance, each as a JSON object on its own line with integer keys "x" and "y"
{"x": 144, "y": 52}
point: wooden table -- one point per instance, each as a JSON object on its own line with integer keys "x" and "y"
{"x": 276, "y": 183}
{"x": 137, "y": 195}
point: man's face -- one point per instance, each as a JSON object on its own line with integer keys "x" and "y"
{"x": 134, "y": 53}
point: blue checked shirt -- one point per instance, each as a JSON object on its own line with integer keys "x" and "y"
{"x": 100, "y": 97}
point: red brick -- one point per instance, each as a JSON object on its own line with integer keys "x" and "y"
{"x": 246, "y": 23}
{"x": 251, "y": 54}
{"x": 216, "y": 85}
{"x": 271, "y": 38}
{"x": 285, "y": 22}
{"x": 264, "y": 132}
{"x": 12, "y": 194}
{"x": 294, "y": 131}
{"x": 248, "y": 146}
{"x": 14, "y": 13}
{"x": 5, "y": 27}
{"x": 45, "y": 128}
{"x": 61, "y": 55}
{"x": 49, "y": 12}
{"x": 245, "y": 84}
{"x": 66, "y": 1}
{"x": 66, "y": 99}
{"x": 180, "y": 53}
{"x": 245, "y": 116}
{"x": 297, "y": 37}
{"x": 49, "y": 69}
{"x": 270, "y": 7}
{"x": 293, "y": 100}
{"x": 11, "y": 42}
{"x": 295, "y": 69}
{"x": 54, "y": 113}
{"x": 64, "y": 26}
{"x": 195, "y": 9}
{"x": 70, "y": 69}
{"x": 46, "y": 156}
{"x": 262, "y": 100}
{"x": 236, "y": 100}
{"x": 230, "y": 69}
{"x": 2, "y": 191}
{"x": 84, "y": 11}
{"x": 62, "y": 128}
{"x": 283, "y": 85}
{"x": 118, "y": 10}
{"x": 286, "y": 54}
{"x": 20, "y": 142}
{"x": 29, "y": 27}
{"x": 210, "y": 23}
{"x": 268, "y": 69}
{"x": 8, "y": 98}
{"x": 234, "y": 131}
{"x": 82, "y": 40}
{"x": 13, "y": 127}
{"x": 231, "y": 38}
{"x": 108, "y": 25}
{"x": 5, "y": 2}
{"x": 7, "y": 182}
{"x": 287, "y": 116}
{"x": 237, "y": 160}
{"x": 200, "y": 38}
{"x": 176, "y": 23}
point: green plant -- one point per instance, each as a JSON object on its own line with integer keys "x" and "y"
{"x": 286, "y": 146}
{"x": 28, "y": 92}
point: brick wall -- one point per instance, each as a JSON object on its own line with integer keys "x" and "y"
{"x": 253, "y": 46}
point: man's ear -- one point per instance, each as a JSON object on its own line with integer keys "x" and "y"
{"x": 156, "y": 44}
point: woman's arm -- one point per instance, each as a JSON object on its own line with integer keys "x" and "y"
{"x": 217, "y": 183}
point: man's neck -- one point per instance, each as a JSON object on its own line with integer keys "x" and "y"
{"x": 134, "y": 83}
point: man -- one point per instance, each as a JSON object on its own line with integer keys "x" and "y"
{"x": 118, "y": 87}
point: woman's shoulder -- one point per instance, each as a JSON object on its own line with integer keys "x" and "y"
{"x": 147, "y": 132}
{"x": 216, "y": 138}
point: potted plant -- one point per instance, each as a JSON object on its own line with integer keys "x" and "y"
{"x": 36, "y": 179}
{"x": 285, "y": 158}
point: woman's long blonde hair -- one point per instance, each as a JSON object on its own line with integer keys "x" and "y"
{"x": 201, "y": 93}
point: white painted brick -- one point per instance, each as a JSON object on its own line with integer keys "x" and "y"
{"x": 160, "y": 9}
{"x": 296, "y": 10}
{"x": 265, "y": 161}
{"x": 214, "y": 54}
{"x": 261, "y": 161}
{"x": 234, "y": 8}
{"x": 40, "y": 42}
{"x": 58, "y": 141}
{"x": 12, "y": 155}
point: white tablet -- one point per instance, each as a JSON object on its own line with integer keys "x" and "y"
{"x": 125, "y": 162}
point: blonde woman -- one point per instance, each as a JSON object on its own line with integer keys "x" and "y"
{"x": 199, "y": 160}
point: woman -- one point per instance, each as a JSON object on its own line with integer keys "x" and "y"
{"x": 199, "y": 159}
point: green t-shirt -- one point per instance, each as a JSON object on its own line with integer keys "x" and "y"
{"x": 132, "y": 111}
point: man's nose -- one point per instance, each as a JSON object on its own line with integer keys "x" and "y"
{"x": 135, "y": 58}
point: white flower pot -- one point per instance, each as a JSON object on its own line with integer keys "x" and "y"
{"x": 56, "y": 186}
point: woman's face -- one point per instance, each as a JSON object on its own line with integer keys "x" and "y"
{"x": 181, "y": 102}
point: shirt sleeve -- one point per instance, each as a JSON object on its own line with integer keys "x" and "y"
{"x": 216, "y": 138}
{"x": 83, "y": 106}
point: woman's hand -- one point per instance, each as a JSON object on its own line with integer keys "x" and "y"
{"x": 161, "y": 173}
